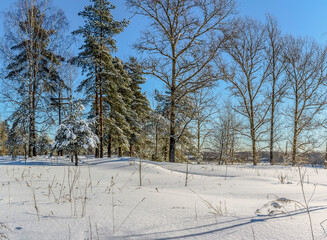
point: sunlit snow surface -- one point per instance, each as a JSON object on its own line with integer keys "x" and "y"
{"x": 102, "y": 199}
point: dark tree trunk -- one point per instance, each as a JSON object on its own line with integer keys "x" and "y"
{"x": 96, "y": 103}
{"x": 156, "y": 147}
{"x": 120, "y": 152}
{"x": 172, "y": 138}
{"x": 76, "y": 159}
{"x": 101, "y": 86}
{"x": 101, "y": 120}
{"x": 295, "y": 129}
{"x": 131, "y": 150}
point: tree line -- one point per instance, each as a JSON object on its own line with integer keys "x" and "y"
{"x": 229, "y": 81}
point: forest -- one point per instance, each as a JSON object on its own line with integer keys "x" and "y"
{"x": 235, "y": 89}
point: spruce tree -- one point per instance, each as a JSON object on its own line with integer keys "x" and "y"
{"x": 75, "y": 134}
{"x": 95, "y": 57}
{"x": 139, "y": 104}
{"x": 118, "y": 110}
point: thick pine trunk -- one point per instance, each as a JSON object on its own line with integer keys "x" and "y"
{"x": 101, "y": 88}
{"x": 101, "y": 120}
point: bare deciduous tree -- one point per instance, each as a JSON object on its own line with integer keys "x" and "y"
{"x": 184, "y": 37}
{"x": 306, "y": 72}
{"x": 205, "y": 106}
{"x": 277, "y": 89}
{"x": 247, "y": 74}
{"x": 226, "y": 132}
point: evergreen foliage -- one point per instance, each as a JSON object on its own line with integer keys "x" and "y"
{"x": 4, "y": 130}
{"x": 75, "y": 134}
{"x": 95, "y": 57}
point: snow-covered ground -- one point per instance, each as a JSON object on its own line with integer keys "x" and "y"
{"x": 103, "y": 199}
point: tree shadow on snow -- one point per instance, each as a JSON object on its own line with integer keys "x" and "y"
{"x": 202, "y": 230}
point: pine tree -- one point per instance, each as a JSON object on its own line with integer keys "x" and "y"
{"x": 98, "y": 32}
{"x": 75, "y": 134}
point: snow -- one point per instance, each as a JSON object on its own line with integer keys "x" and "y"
{"x": 102, "y": 199}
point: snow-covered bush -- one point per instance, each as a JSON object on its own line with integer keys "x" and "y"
{"x": 75, "y": 134}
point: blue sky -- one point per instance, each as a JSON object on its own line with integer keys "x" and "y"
{"x": 298, "y": 17}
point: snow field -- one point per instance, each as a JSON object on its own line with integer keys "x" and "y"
{"x": 102, "y": 199}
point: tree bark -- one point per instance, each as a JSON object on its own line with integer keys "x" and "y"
{"x": 295, "y": 129}
{"x": 156, "y": 147}
{"x": 76, "y": 159}
{"x": 131, "y": 150}
{"x": 120, "y": 152}
{"x": 109, "y": 147}
{"x": 272, "y": 122}
{"x": 96, "y": 102}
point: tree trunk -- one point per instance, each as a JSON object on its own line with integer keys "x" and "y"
{"x": 172, "y": 138}
{"x": 166, "y": 150}
{"x": 96, "y": 103}
{"x": 101, "y": 86}
{"x": 76, "y": 159}
{"x": 101, "y": 120}
{"x": 254, "y": 150}
{"x": 156, "y": 147}
{"x": 72, "y": 157}
{"x": 295, "y": 129}
{"x": 199, "y": 140}
{"x": 131, "y": 150}
{"x": 120, "y": 152}
{"x": 109, "y": 147}
{"x": 272, "y": 122}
